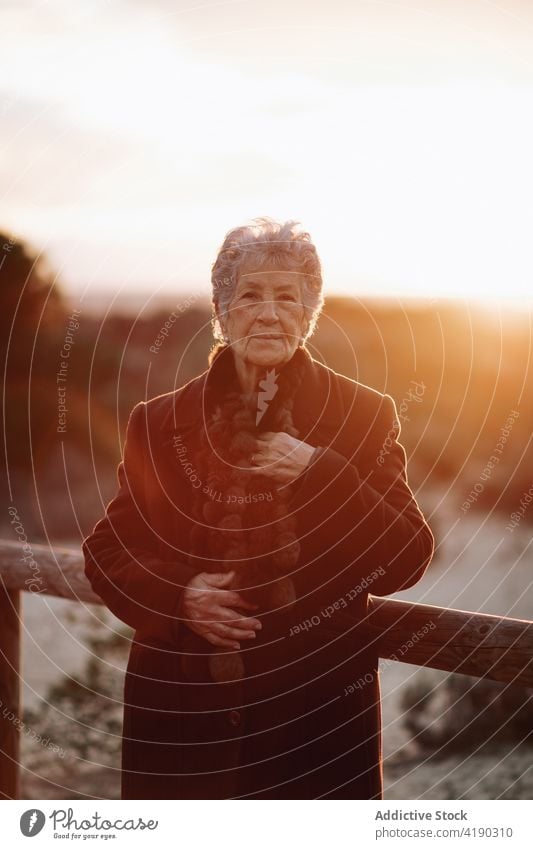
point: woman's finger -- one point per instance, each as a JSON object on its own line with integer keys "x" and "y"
{"x": 215, "y": 640}
{"x": 266, "y": 436}
{"x": 233, "y": 599}
{"x": 227, "y": 632}
{"x": 233, "y": 618}
{"x": 218, "y": 579}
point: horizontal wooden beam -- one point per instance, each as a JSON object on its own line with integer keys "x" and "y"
{"x": 38, "y": 569}
{"x": 478, "y": 644}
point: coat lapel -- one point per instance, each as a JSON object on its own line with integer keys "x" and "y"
{"x": 318, "y": 409}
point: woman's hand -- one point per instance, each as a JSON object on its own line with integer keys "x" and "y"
{"x": 209, "y": 611}
{"x": 281, "y": 456}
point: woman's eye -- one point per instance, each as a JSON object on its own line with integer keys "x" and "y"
{"x": 288, "y": 297}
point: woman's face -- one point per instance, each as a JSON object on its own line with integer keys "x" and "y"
{"x": 266, "y": 319}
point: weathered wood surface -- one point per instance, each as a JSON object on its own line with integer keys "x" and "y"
{"x": 478, "y": 644}
{"x": 56, "y": 572}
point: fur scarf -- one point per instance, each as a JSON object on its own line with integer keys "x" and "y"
{"x": 241, "y": 519}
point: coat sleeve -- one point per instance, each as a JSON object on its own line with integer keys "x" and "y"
{"x": 121, "y": 560}
{"x": 368, "y": 522}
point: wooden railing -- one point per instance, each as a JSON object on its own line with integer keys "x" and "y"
{"x": 476, "y": 644}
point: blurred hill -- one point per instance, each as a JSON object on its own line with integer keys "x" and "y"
{"x": 456, "y": 371}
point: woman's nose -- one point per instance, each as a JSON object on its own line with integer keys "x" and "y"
{"x": 268, "y": 310}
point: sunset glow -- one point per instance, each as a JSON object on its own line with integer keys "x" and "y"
{"x": 134, "y": 135}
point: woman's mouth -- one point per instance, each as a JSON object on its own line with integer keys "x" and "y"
{"x": 268, "y": 336}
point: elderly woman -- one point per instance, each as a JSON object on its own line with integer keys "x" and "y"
{"x": 259, "y": 504}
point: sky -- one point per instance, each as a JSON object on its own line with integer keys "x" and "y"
{"x": 134, "y": 135}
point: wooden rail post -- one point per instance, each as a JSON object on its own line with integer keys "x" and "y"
{"x": 9, "y": 692}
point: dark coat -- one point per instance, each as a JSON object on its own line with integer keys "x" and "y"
{"x": 305, "y": 722}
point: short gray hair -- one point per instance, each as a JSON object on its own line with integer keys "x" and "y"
{"x": 271, "y": 242}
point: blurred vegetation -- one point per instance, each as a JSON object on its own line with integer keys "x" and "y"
{"x": 461, "y": 713}
{"x": 473, "y": 364}
{"x": 82, "y": 716}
